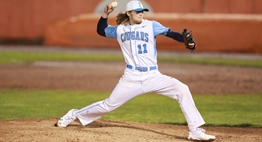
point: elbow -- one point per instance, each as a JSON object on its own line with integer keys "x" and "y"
{"x": 101, "y": 32}
{"x": 98, "y": 31}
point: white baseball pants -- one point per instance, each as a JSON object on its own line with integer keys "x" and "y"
{"x": 134, "y": 83}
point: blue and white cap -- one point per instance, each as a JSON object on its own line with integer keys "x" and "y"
{"x": 136, "y": 6}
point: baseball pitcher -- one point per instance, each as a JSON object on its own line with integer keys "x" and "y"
{"x": 137, "y": 38}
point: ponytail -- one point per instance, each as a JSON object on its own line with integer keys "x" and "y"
{"x": 122, "y": 18}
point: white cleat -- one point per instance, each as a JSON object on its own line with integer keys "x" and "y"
{"x": 199, "y": 135}
{"x": 67, "y": 119}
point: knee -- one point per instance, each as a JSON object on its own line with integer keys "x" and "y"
{"x": 184, "y": 89}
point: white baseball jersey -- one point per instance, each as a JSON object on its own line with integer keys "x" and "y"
{"x": 138, "y": 44}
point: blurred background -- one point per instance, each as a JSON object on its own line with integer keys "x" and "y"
{"x": 217, "y": 25}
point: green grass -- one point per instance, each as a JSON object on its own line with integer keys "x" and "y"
{"x": 13, "y": 57}
{"x": 242, "y": 110}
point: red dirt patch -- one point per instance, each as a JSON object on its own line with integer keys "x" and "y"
{"x": 201, "y": 79}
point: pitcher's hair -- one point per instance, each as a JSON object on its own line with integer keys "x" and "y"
{"x": 122, "y": 18}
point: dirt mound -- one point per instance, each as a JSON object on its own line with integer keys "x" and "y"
{"x": 113, "y": 131}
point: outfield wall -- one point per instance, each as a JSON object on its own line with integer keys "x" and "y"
{"x": 212, "y": 32}
{"x": 28, "y": 18}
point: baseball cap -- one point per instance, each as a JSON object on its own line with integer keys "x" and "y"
{"x": 136, "y": 6}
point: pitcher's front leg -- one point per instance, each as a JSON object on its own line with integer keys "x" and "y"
{"x": 120, "y": 95}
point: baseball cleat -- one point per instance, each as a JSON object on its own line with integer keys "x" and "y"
{"x": 199, "y": 135}
{"x": 67, "y": 119}
{"x": 201, "y": 129}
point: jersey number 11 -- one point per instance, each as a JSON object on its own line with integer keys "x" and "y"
{"x": 140, "y": 49}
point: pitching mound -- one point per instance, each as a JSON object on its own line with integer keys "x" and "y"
{"x": 113, "y": 131}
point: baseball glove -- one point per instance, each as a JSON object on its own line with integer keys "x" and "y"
{"x": 189, "y": 40}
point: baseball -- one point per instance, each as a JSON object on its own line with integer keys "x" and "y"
{"x": 114, "y": 4}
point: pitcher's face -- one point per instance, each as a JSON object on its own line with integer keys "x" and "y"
{"x": 135, "y": 17}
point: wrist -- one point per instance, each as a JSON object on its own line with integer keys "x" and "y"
{"x": 105, "y": 15}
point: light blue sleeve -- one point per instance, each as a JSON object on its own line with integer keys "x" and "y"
{"x": 159, "y": 29}
{"x": 110, "y": 31}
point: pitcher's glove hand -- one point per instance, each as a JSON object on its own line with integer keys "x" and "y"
{"x": 189, "y": 40}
